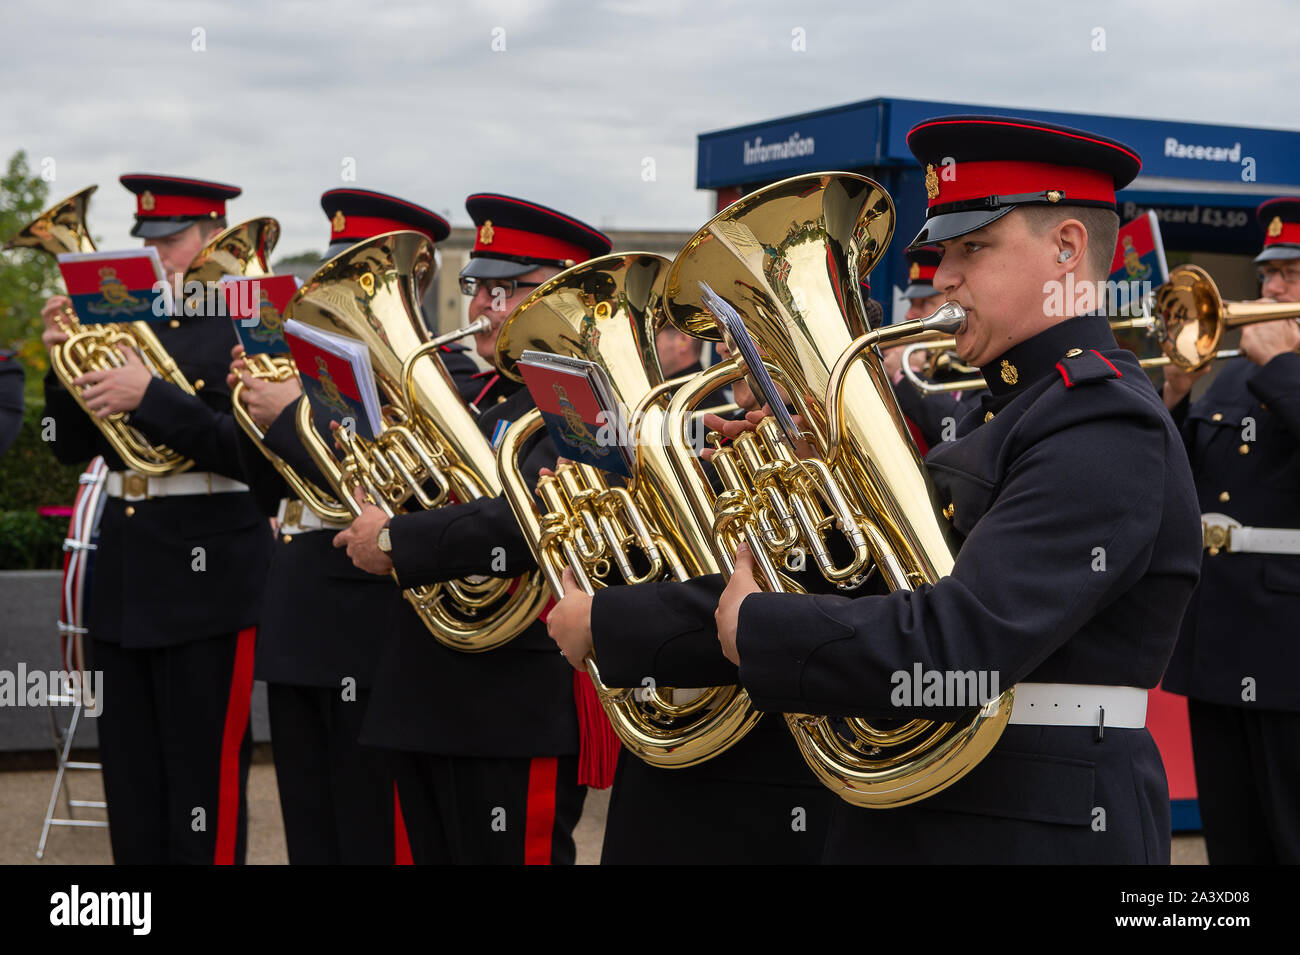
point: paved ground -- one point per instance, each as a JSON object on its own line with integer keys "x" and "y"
{"x": 24, "y": 794}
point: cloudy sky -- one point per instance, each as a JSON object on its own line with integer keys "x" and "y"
{"x": 279, "y": 96}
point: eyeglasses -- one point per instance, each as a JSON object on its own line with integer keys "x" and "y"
{"x": 1290, "y": 274}
{"x": 506, "y": 287}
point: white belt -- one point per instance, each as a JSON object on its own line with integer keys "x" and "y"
{"x": 1222, "y": 533}
{"x": 1079, "y": 704}
{"x": 296, "y": 518}
{"x": 134, "y": 486}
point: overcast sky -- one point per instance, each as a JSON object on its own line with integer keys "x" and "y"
{"x": 284, "y": 92}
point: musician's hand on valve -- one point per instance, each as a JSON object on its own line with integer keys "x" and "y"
{"x": 1264, "y": 341}
{"x": 361, "y": 538}
{"x": 50, "y": 312}
{"x": 237, "y": 364}
{"x": 110, "y": 390}
{"x": 569, "y": 623}
{"x": 266, "y": 399}
{"x": 727, "y": 616}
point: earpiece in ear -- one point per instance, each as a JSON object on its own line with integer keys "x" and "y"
{"x": 1064, "y": 256}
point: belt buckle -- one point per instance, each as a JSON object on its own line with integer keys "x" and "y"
{"x": 135, "y": 484}
{"x": 293, "y": 513}
{"x": 1216, "y": 537}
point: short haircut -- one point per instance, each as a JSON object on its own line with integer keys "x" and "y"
{"x": 1102, "y": 226}
{"x": 210, "y": 227}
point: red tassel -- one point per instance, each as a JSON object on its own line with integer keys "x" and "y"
{"x": 598, "y": 745}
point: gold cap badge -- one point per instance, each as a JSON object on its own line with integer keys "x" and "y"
{"x": 1009, "y": 373}
{"x": 147, "y": 201}
{"x": 1275, "y": 227}
{"x": 915, "y": 272}
{"x": 931, "y": 182}
{"x": 338, "y": 222}
{"x": 485, "y": 233}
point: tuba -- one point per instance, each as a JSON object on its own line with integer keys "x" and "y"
{"x": 245, "y": 250}
{"x": 786, "y": 258}
{"x": 62, "y": 228}
{"x": 430, "y": 451}
{"x": 606, "y": 310}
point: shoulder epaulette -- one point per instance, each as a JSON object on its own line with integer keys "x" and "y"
{"x": 1080, "y": 366}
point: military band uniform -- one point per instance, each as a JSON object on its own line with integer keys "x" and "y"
{"x": 325, "y": 622}
{"x": 485, "y": 745}
{"x": 1072, "y": 451}
{"x": 1237, "y": 657}
{"x": 173, "y": 605}
{"x": 756, "y": 803}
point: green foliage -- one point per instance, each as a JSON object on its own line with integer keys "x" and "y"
{"x": 31, "y": 477}
{"x": 27, "y": 277}
{"x": 29, "y": 541}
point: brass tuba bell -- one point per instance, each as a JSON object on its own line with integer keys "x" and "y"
{"x": 430, "y": 451}
{"x": 606, "y": 310}
{"x": 62, "y": 228}
{"x": 787, "y": 258}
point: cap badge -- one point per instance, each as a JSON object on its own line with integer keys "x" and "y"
{"x": 146, "y": 201}
{"x": 485, "y": 233}
{"x": 338, "y": 222}
{"x": 1275, "y": 227}
{"x": 915, "y": 272}
{"x": 931, "y": 182}
{"x": 1009, "y": 373}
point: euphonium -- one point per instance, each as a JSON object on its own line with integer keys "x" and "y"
{"x": 245, "y": 250}
{"x": 371, "y": 292}
{"x": 62, "y": 228}
{"x": 787, "y": 259}
{"x": 606, "y": 310}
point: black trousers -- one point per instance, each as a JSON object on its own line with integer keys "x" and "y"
{"x": 336, "y": 796}
{"x": 462, "y": 810}
{"x": 175, "y": 743}
{"x": 1247, "y": 782}
{"x": 693, "y": 816}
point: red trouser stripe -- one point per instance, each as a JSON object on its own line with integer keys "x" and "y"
{"x": 401, "y": 841}
{"x": 237, "y": 712}
{"x": 541, "y": 810}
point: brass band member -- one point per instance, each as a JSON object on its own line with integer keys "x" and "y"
{"x": 1237, "y": 656}
{"x": 1072, "y": 500}
{"x": 179, "y": 571}
{"x": 324, "y": 622}
{"x": 755, "y": 803}
{"x": 485, "y": 745}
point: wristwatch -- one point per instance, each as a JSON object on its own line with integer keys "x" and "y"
{"x": 382, "y": 542}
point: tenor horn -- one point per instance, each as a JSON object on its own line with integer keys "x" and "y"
{"x": 606, "y": 310}
{"x": 60, "y": 229}
{"x": 430, "y": 451}
{"x": 787, "y": 259}
{"x": 245, "y": 250}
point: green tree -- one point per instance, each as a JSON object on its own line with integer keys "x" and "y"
{"x": 27, "y": 277}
